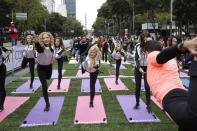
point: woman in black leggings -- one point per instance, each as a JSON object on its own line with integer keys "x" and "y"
{"x": 30, "y": 53}
{"x": 166, "y": 85}
{"x": 91, "y": 65}
{"x": 59, "y": 56}
{"x": 116, "y": 55}
{"x": 2, "y": 78}
{"x": 45, "y": 60}
{"x": 140, "y": 70}
{"x": 105, "y": 50}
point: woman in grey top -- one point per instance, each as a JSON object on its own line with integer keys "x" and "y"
{"x": 30, "y": 54}
{"x": 45, "y": 60}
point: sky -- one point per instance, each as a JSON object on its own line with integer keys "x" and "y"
{"x": 88, "y": 7}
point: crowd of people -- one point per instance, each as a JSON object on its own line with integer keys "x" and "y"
{"x": 156, "y": 62}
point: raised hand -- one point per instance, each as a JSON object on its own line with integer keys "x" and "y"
{"x": 191, "y": 45}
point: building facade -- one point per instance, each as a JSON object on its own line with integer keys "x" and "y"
{"x": 61, "y": 9}
{"x": 71, "y": 8}
{"x": 50, "y": 5}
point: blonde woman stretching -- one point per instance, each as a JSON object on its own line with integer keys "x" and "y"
{"x": 91, "y": 65}
{"x": 45, "y": 59}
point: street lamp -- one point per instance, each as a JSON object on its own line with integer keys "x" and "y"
{"x": 171, "y": 11}
{"x": 133, "y": 19}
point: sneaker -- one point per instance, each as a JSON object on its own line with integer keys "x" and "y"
{"x": 136, "y": 106}
{"x": 31, "y": 86}
{"x": 116, "y": 82}
{"x": 148, "y": 109}
{"x": 47, "y": 108}
{"x": 58, "y": 87}
{"x": 1, "y": 109}
{"x": 91, "y": 105}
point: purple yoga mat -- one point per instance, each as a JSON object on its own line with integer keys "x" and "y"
{"x": 142, "y": 84}
{"x": 121, "y": 66}
{"x": 127, "y": 102}
{"x": 38, "y": 117}
{"x": 55, "y": 73}
{"x": 24, "y": 88}
{"x": 85, "y": 86}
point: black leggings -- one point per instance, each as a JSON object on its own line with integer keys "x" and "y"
{"x": 138, "y": 78}
{"x": 44, "y": 73}
{"x": 181, "y": 105}
{"x": 2, "y": 84}
{"x": 104, "y": 55}
{"x": 31, "y": 62}
{"x": 93, "y": 78}
{"x": 118, "y": 63}
{"x": 60, "y": 66}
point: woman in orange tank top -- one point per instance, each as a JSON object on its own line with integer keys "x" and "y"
{"x": 165, "y": 84}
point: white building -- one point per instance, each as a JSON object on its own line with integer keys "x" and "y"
{"x": 50, "y": 5}
{"x": 61, "y": 9}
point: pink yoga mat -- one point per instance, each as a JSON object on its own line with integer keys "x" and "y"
{"x": 125, "y": 63}
{"x": 79, "y": 74}
{"x": 64, "y": 86}
{"x": 11, "y": 104}
{"x": 86, "y": 115}
{"x": 111, "y": 85}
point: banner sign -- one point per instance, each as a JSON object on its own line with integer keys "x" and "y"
{"x": 14, "y": 59}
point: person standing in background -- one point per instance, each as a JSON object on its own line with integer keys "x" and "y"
{"x": 13, "y": 33}
{"x": 105, "y": 49}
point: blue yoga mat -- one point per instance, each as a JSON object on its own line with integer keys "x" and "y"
{"x": 185, "y": 82}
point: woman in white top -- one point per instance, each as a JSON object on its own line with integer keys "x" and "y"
{"x": 59, "y": 56}
{"x": 91, "y": 65}
{"x": 29, "y": 54}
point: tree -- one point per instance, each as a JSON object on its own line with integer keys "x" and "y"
{"x": 72, "y": 27}
{"x": 54, "y": 23}
{"x": 36, "y": 13}
{"x": 99, "y": 26}
{"x": 105, "y": 11}
{"x": 5, "y": 11}
{"x": 185, "y": 14}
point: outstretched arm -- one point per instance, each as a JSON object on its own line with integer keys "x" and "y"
{"x": 167, "y": 54}
{"x": 171, "y": 52}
